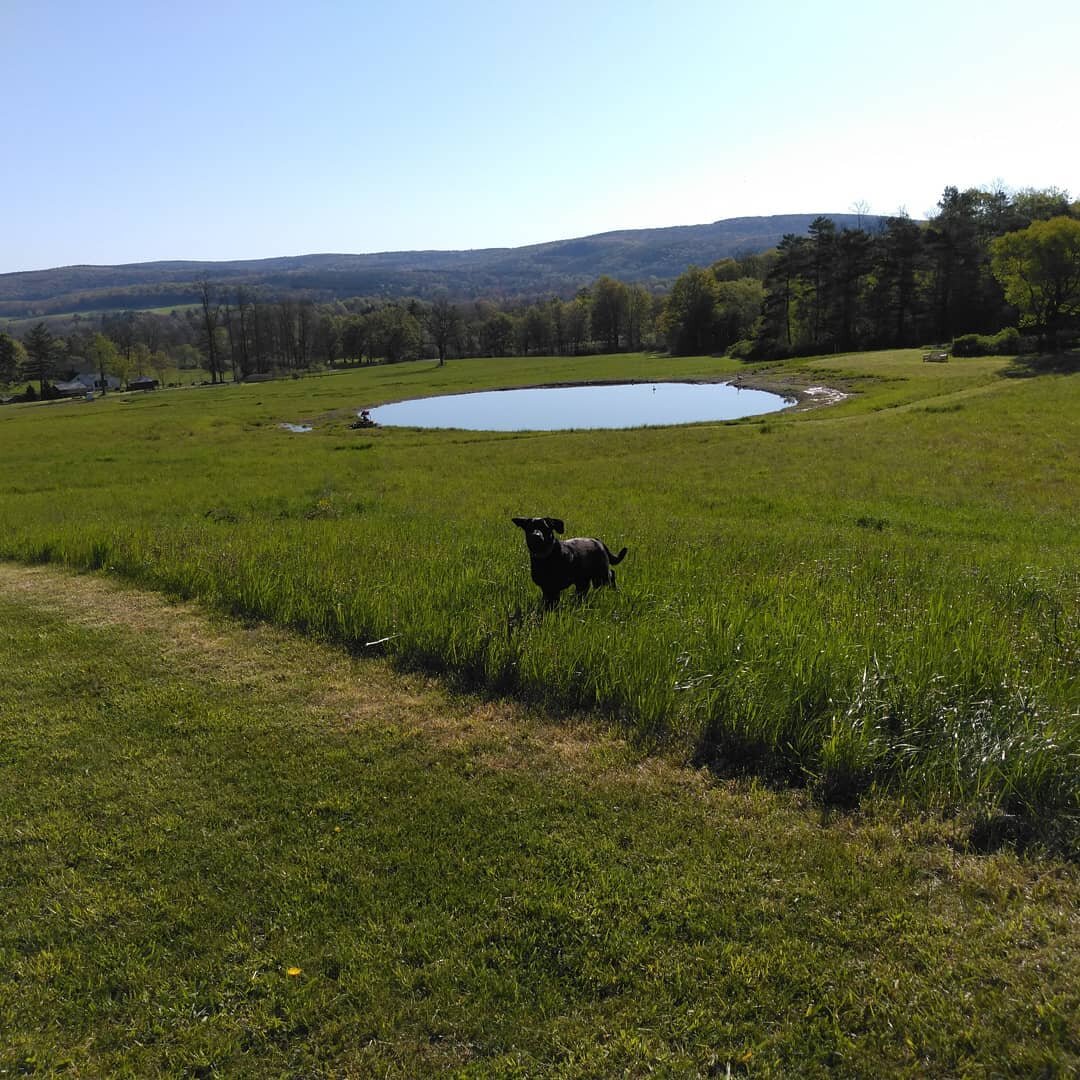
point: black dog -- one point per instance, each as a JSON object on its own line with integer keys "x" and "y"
{"x": 558, "y": 564}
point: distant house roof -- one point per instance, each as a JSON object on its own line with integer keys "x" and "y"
{"x": 72, "y": 388}
{"x": 91, "y": 380}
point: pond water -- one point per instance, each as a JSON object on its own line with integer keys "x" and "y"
{"x": 560, "y": 408}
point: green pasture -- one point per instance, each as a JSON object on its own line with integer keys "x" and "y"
{"x": 233, "y": 851}
{"x": 18, "y": 324}
{"x": 879, "y": 597}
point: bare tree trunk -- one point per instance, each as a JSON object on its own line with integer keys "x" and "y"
{"x": 210, "y": 323}
{"x": 242, "y": 304}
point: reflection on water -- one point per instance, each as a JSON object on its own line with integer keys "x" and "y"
{"x": 559, "y": 408}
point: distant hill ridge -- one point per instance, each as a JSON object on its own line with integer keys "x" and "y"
{"x": 651, "y": 256}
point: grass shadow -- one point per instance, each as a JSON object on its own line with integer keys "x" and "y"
{"x": 1028, "y": 367}
{"x": 729, "y": 755}
{"x": 1021, "y": 834}
{"x": 410, "y": 367}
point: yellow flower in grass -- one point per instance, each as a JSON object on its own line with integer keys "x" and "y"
{"x": 293, "y": 972}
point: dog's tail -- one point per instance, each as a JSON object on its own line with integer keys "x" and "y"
{"x": 615, "y": 559}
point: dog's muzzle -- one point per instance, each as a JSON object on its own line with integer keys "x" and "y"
{"x": 539, "y": 544}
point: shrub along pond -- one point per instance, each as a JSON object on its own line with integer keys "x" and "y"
{"x": 561, "y": 408}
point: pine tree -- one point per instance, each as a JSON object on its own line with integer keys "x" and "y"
{"x": 40, "y": 355}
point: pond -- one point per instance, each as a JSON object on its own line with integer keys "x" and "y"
{"x": 560, "y": 408}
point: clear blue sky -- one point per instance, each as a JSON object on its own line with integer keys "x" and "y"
{"x": 133, "y": 131}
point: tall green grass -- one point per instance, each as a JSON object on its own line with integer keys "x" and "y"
{"x": 879, "y": 596}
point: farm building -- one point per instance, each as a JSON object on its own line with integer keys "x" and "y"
{"x": 86, "y": 381}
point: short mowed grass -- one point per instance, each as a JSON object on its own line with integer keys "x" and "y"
{"x": 877, "y": 597}
{"x": 230, "y": 850}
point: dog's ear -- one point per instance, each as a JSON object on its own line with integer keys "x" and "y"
{"x": 556, "y": 524}
{"x": 521, "y": 523}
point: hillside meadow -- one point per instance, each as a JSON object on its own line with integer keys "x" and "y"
{"x": 874, "y": 599}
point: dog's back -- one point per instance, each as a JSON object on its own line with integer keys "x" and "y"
{"x": 593, "y": 558}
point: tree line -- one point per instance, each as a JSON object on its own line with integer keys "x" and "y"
{"x": 986, "y": 260}
{"x": 235, "y": 333}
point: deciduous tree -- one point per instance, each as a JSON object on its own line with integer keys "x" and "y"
{"x": 397, "y": 333}
{"x": 355, "y": 336}
{"x": 576, "y": 324}
{"x": 12, "y": 356}
{"x": 738, "y": 308}
{"x": 210, "y": 317}
{"x": 1039, "y": 268}
{"x": 103, "y": 354}
{"x": 497, "y": 335}
{"x": 442, "y": 321}
{"x": 689, "y": 318}
{"x": 535, "y": 330}
{"x": 161, "y": 364}
{"x": 639, "y": 316}
{"x": 609, "y": 303}
{"x": 1032, "y": 204}
{"x": 140, "y": 358}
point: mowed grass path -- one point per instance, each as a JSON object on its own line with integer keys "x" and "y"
{"x": 231, "y": 850}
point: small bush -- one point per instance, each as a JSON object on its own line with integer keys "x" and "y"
{"x": 1005, "y": 342}
{"x": 970, "y": 345}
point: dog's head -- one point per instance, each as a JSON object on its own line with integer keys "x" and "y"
{"x": 540, "y": 533}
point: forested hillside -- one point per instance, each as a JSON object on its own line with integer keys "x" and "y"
{"x": 651, "y": 256}
{"x": 990, "y": 272}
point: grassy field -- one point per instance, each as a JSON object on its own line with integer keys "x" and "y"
{"x": 261, "y": 846}
{"x": 18, "y": 325}
{"x": 231, "y": 850}
{"x": 880, "y": 596}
